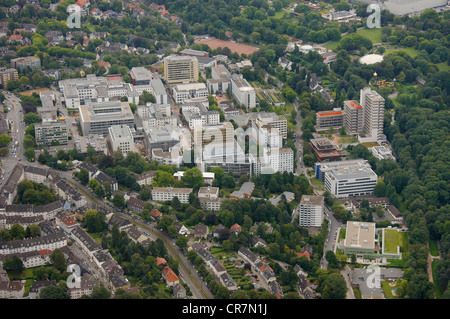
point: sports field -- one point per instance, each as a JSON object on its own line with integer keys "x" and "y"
{"x": 239, "y": 48}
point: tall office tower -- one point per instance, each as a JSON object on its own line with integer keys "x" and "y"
{"x": 373, "y": 105}
{"x": 353, "y": 116}
{"x": 311, "y": 210}
{"x": 180, "y": 69}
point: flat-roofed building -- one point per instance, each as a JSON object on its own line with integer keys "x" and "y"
{"x": 96, "y": 118}
{"x": 49, "y": 133}
{"x": 173, "y": 156}
{"x": 140, "y": 76}
{"x": 178, "y": 69}
{"x": 121, "y": 139}
{"x": 382, "y": 152}
{"x": 353, "y": 116}
{"x": 373, "y": 105}
{"x": 321, "y": 168}
{"x": 242, "y": 91}
{"x": 185, "y": 91}
{"x": 350, "y": 181}
{"x": 165, "y": 194}
{"x": 214, "y": 136}
{"x": 360, "y": 239}
{"x": 209, "y": 198}
{"x": 311, "y": 211}
{"x": 275, "y": 121}
{"x": 327, "y": 119}
{"x": 324, "y": 149}
{"x": 7, "y": 75}
{"x": 29, "y": 61}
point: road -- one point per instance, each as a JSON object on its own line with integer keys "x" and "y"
{"x": 332, "y": 236}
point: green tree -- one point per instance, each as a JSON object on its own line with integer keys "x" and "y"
{"x": 119, "y": 201}
{"x": 5, "y": 139}
{"x": 58, "y": 260}
{"x": 14, "y": 264}
{"x": 193, "y": 178}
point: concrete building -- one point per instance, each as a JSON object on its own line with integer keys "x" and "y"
{"x": 402, "y": 7}
{"x": 209, "y": 198}
{"x": 327, "y": 119}
{"x": 185, "y": 91}
{"x": 51, "y": 132}
{"x": 180, "y": 69}
{"x": 29, "y": 61}
{"x": 173, "y": 156}
{"x": 350, "y": 181}
{"x": 353, "y": 116}
{"x": 121, "y": 139}
{"x": 382, "y": 152}
{"x": 273, "y": 120}
{"x": 140, "y": 76}
{"x": 165, "y": 194}
{"x": 311, "y": 211}
{"x": 196, "y": 114}
{"x": 373, "y": 106}
{"x": 242, "y": 91}
{"x": 324, "y": 149}
{"x": 220, "y": 81}
{"x": 97, "y": 117}
{"x": 360, "y": 239}
{"x": 321, "y": 168}
{"x": 7, "y": 75}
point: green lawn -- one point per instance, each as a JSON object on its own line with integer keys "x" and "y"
{"x": 387, "y": 290}
{"x": 373, "y": 35}
{"x": 443, "y": 66}
{"x": 391, "y": 240}
{"x": 433, "y": 248}
{"x": 331, "y": 45}
{"x": 410, "y": 51}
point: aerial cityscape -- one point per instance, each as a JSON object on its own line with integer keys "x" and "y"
{"x": 223, "y": 149}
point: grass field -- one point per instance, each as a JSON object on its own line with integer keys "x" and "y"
{"x": 391, "y": 240}
{"x": 410, "y": 51}
{"x": 387, "y": 290}
{"x": 331, "y": 45}
{"x": 433, "y": 248}
{"x": 373, "y": 35}
{"x": 443, "y": 66}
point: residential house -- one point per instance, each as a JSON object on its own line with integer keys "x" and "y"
{"x": 170, "y": 277}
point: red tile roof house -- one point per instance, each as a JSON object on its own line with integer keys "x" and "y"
{"x": 155, "y": 213}
{"x": 170, "y": 277}
{"x": 235, "y": 229}
{"x": 161, "y": 261}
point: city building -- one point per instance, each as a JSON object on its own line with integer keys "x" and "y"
{"x": 208, "y": 177}
{"x": 350, "y": 181}
{"x": 29, "y": 61}
{"x": 96, "y": 118}
{"x": 185, "y": 91}
{"x": 7, "y": 75}
{"x": 360, "y": 239}
{"x": 245, "y": 191}
{"x": 382, "y": 152}
{"x": 311, "y": 211}
{"x": 140, "y": 76}
{"x": 197, "y": 114}
{"x": 51, "y": 133}
{"x": 173, "y": 156}
{"x": 324, "y": 149}
{"x": 279, "y": 122}
{"x": 321, "y": 168}
{"x": 165, "y": 194}
{"x": 242, "y": 91}
{"x": 209, "y": 198}
{"x": 164, "y": 138}
{"x": 353, "y": 116}
{"x": 373, "y": 106}
{"x": 220, "y": 81}
{"x": 327, "y": 119}
{"x": 180, "y": 69}
{"x": 121, "y": 138}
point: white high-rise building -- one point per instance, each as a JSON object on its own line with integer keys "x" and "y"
{"x": 121, "y": 138}
{"x": 350, "y": 181}
{"x": 373, "y": 105}
{"x": 311, "y": 211}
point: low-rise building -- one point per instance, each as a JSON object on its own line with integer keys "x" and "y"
{"x": 164, "y": 194}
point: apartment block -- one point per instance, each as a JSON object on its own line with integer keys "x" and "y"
{"x": 51, "y": 132}
{"x": 122, "y": 139}
{"x": 7, "y": 75}
{"x": 373, "y": 105}
{"x": 164, "y": 194}
{"x": 180, "y": 69}
{"x": 275, "y": 121}
{"x": 327, "y": 119}
{"x": 29, "y": 61}
{"x": 185, "y": 91}
{"x": 311, "y": 211}
{"x": 350, "y": 181}
{"x": 353, "y": 116}
{"x": 242, "y": 91}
